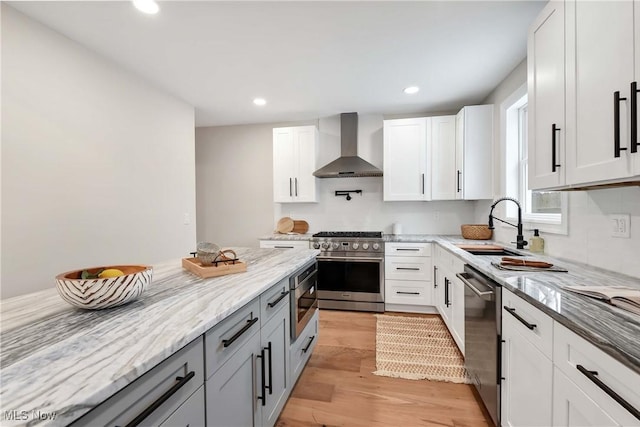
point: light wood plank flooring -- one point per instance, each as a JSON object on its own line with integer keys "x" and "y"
{"x": 337, "y": 387}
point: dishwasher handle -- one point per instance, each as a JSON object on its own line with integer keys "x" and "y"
{"x": 485, "y": 295}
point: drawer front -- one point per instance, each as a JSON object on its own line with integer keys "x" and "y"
{"x": 272, "y": 300}
{"x": 443, "y": 258}
{"x": 284, "y": 244}
{"x": 578, "y": 360}
{"x": 407, "y": 249}
{"x": 190, "y": 413}
{"x": 407, "y": 292}
{"x": 224, "y": 339}
{"x": 185, "y": 367}
{"x": 408, "y": 268}
{"x": 533, "y": 324}
{"x": 302, "y": 348}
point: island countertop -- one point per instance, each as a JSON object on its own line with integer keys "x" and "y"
{"x": 57, "y": 359}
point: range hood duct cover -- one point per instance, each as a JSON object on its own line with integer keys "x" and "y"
{"x": 348, "y": 165}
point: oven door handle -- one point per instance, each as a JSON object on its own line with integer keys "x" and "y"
{"x": 486, "y": 295}
{"x": 345, "y": 258}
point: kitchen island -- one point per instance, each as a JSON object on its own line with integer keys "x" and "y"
{"x": 58, "y": 362}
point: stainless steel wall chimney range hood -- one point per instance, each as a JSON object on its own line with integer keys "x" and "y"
{"x": 348, "y": 165}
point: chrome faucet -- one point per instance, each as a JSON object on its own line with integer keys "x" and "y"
{"x": 520, "y": 242}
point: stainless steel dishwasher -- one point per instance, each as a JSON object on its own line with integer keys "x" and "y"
{"x": 483, "y": 327}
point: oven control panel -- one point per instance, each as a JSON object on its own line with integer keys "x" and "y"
{"x": 347, "y": 245}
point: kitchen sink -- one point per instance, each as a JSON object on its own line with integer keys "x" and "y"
{"x": 488, "y": 250}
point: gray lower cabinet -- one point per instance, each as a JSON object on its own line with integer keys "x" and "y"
{"x": 157, "y": 395}
{"x": 250, "y": 387}
{"x": 190, "y": 413}
{"x": 302, "y": 348}
{"x": 231, "y": 398}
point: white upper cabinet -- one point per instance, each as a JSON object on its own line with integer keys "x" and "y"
{"x": 546, "y": 105}
{"x": 443, "y": 159}
{"x": 599, "y": 66}
{"x": 406, "y": 153}
{"x": 474, "y": 139}
{"x": 294, "y": 161}
{"x": 583, "y": 60}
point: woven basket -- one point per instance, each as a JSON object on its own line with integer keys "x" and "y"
{"x": 476, "y": 231}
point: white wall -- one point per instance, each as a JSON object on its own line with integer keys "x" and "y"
{"x": 588, "y": 240}
{"x": 224, "y": 154}
{"x": 97, "y": 166}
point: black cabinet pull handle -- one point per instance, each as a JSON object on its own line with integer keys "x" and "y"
{"x": 459, "y": 174}
{"x": 435, "y": 277}
{"x": 263, "y": 386}
{"x": 408, "y": 249}
{"x": 270, "y": 368}
{"x": 446, "y": 292}
{"x": 615, "y": 396}
{"x": 408, "y": 268}
{"x": 290, "y": 187}
{"x": 283, "y": 247}
{"x": 422, "y": 183}
{"x": 616, "y": 124}
{"x": 634, "y": 117}
{"x": 245, "y": 328}
{"x": 296, "y": 180}
{"x": 181, "y": 381}
{"x": 512, "y": 311}
{"x": 280, "y": 298}
{"x": 554, "y": 162}
{"x": 304, "y": 350}
{"x": 407, "y": 293}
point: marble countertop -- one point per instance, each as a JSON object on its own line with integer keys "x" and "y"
{"x": 55, "y": 358}
{"x": 293, "y": 236}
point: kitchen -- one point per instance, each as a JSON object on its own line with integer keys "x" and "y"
{"x": 141, "y": 141}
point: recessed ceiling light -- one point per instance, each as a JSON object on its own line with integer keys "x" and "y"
{"x": 411, "y": 90}
{"x": 259, "y": 101}
{"x": 146, "y": 6}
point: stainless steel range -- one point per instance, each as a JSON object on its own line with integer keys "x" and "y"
{"x": 350, "y": 270}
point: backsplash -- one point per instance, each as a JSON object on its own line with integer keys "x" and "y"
{"x": 367, "y": 211}
{"x": 589, "y": 240}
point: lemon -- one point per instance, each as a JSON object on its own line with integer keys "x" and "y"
{"x": 110, "y": 272}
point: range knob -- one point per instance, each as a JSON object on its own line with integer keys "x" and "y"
{"x": 316, "y": 245}
{"x": 335, "y": 245}
{"x": 365, "y": 246}
{"x": 324, "y": 245}
{"x": 376, "y": 246}
{"x": 355, "y": 245}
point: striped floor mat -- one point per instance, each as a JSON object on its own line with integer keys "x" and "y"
{"x": 417, "y": 348}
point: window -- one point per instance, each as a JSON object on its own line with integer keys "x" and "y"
{"x": 545, "y": 210}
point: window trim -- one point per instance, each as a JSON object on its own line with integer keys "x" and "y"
{"x": 547, "y": 223}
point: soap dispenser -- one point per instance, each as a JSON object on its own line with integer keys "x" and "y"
{"x": 537, "y": 242}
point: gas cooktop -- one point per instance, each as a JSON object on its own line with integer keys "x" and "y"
{"x": 359, "y": 234}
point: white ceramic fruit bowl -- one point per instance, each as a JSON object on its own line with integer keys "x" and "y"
{"x": 106, "y": 292}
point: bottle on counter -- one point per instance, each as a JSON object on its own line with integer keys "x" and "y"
{"x": 397, "y": 228}
{"x": 537, "y": 242}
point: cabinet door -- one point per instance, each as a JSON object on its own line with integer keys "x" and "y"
{"x": 283, "y": 164}
{"x": 405, "y": 159}
{"x": 527, "y": 385}
{"x": 572, "y": 407}
{"x": 304, "y": 183}
{"x": 600, "y": 62}
{"x": 459, "y": 154}
{"x": 231, "y": 398}
{"x": 546, "y": 105}
{"x": 476, "y": 181}
{"x": 443, "y": 158}
{"x": 457, "y": 289}
{"x": 275, "y": 343}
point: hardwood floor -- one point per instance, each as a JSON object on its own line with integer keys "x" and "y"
{"x": 337, "y": 387}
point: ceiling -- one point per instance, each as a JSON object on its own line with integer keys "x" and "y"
{"x": 307, "y": 59}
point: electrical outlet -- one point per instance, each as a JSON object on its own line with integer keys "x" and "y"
{"x": 186, "y": 220}
{"x": 620, "y": 225}
{"x": 436, "y": 216}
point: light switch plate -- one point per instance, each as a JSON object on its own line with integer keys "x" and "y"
{"x": 620, "y": 225}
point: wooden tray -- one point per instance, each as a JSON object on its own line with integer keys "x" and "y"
{"x": 194, "y": 266}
